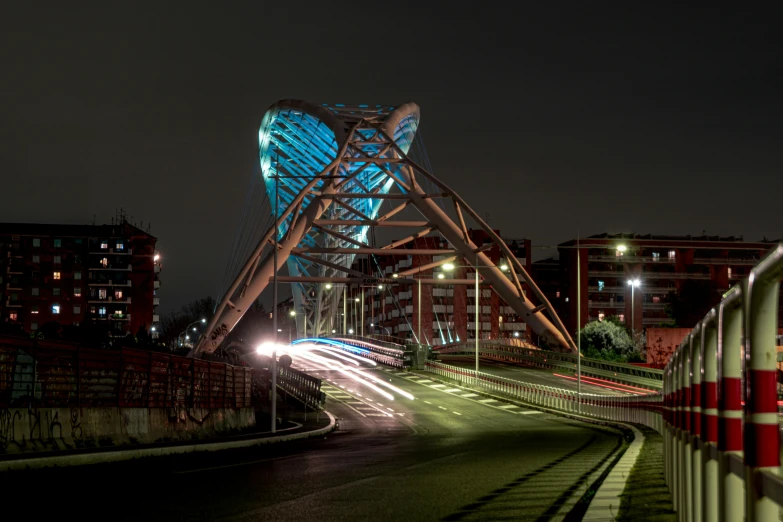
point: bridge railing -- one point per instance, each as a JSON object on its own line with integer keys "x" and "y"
{"x": 650, "y": 378}
{"x": 718, "y": 410}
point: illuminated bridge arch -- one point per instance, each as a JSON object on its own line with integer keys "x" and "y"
{"x": 335, "y": 166}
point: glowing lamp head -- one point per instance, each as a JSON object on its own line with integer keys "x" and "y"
{"x": 516, "y": 334}
{"x": 395, "y": 276}
{"x": 328, "y": 286}
{"x": 187, "y": 338}
{"x": 203, "y": 321}
{"x": 334, "y": 331}
{"x": 156, "y": 258}
{"x": 441, "y": 276}
{"x": 504, "y": 267}
{"x": 153, "y": 328}
{"x": 448, "y": 266}
{"x": 622, "y": 248}
{"x": 380, "y": 287}
{"x": 350, "y": 331}
{"x": 292, "y": 313}
{"x": 265, "y": 348}
{"x": 194, "y": 329}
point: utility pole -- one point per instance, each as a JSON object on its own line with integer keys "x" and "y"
{"x": 418, "y": 340}
{"x": 476, "y": 310}
{"x": 273, "y": 367}
{"x": 345, "y": 312}
{"x": 578, "y": 327}
{"x": 362, "y": 312}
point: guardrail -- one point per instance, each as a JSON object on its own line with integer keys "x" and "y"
{"x": 650, "y": 378}
{"x": 53, "y": 374}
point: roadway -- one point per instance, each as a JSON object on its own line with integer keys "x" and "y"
{"x": 448, "y": 454}
{"x": 532, "y": 374}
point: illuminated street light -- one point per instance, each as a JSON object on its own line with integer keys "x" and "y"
{"x": 395, "y": 276}
{"x": 334, "y": 331}
{"x": 153, "y": 328}
{"x": 157, "y": 256}
{"x": 448, "y": 266}
{"x": 357, "y": 299}
{"x": 441, "y": 276}
{"x": 328, "y": 286}
{"x": 350, "y": 331}
{"x": 194, "y": 329}
{"x": 633, "y": 283}
{"x": 380, "y": 287}
{"x": 622, "y": 248}
{"x": 372, "y": 324}
{"x": 187, "y": 338}
{"x": 279, "y": 329}
{"x": 516, "y": 334}
{"x": 292, "y": 313}
{"x": 203, "y": 320}
{"x": 504, "y": 267}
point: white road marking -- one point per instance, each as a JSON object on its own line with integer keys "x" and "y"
{"x": 438, "y": 386}
{"x": 428, "y": 402}
{"x": 508, "y": 406}
{"x": 530, "y": 412}
{"x": 484, "y": 401}
{"x": 452, "y": 390}
{"x": 456, "y": 413}
{"x": 442, "y": 408}
{"x": 468, "y": 395}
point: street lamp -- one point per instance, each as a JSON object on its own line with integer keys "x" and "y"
{"x": 328, "y": 286}
{"x": 476, "y": 304}
{"x": 633, "y": 283}
{"x": 185, "y": 331}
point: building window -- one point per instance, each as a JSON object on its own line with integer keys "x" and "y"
{"x": 118, "y": 313}
{"x": 33, "y": 326}
{"x": 621, "y": 317}
{"x": 34, "y": 309}
{"x": 13, "y": 316}
{"x": 104, "y": 245}
{"x": 118, "y": 295}
{"x": 57, "y": 260}
{"x": 35, "y": 291}
{"x": 566, "y": 299}
{"x": 77, "y": 309}
{"x": 77, "y": 259}
{"x": 672, "y": 254}
{"x": 656, "y": 256}
{"x": 600, "y": 289}
{"x": 55, "y": 309}
{"x": 77, "y": 275}
{"x": 36, "y": 242}
{"x": 101, "y": 293}
{"x": 58, "y": 243}
{"x": 78, "y": 241}
{"x": 56, "y": 275}
{"x": 77, "y": 291}
{"x": 104, "y": 262}
{"x": 36, "y": 259}
{"x": 119, "y": 246}
{"x": 729, "y": 276}
{"x": 55, "y": 291}
{"x": 102, "y": 311}
{"x": 557, "y": 294}
{"x": 655, "y": 298}
{"x": 600, "y": 317}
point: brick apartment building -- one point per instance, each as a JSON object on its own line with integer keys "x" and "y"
{"x": 75, "y": 273}
{"x": 661, "y": 264}
{"x": 448, "y": 313}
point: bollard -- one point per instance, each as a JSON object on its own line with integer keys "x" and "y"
{"x": 709, "y": 415}
{"x": 694, "y": 356}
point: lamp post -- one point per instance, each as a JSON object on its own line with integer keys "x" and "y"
{"x": 633, "y": 283}
{"x": 449, "y": 267}
{"x": 185, "y": 331}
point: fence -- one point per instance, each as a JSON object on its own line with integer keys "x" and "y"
{"x": 718, "y": 411}
{"x": 52, "y": 374}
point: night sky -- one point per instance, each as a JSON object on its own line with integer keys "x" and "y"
{"x": 655, "y": 119}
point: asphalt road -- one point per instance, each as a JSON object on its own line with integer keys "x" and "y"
{"x": 528, "y": 374}
{"x": 444, "y": 455}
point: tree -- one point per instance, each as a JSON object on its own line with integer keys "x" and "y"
{"x": 174, "y": 323}
{"x": 608, "y": 340}
{"x": 693, "y": 300}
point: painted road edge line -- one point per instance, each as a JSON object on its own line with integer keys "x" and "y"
{"x": 129, "y": 454}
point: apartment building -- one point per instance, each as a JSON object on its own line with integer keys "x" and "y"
{"x": 70, "y": 274}
{"x": 655, "y": 265}
{"x": 447, "y": 310}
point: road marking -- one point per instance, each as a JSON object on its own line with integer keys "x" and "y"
{"x": 442, "y": 408}
{"x": 424, "y": 381}
{"x": 428, "y": 402}
{"x": 508, "y": 406}
{"x": 456, "y": 413}
{"x": 438, "y": 386}
{"x": 530, "y": 412}
{"x": 452, "y": 390}
{"x": 389, "y": 409}
{"x": 376, "y": 415}
{"x": 355, "y": 402}
{"x": 487, "y": 400}
{"x": 468, "y": 395}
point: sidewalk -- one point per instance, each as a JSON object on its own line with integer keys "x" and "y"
{"x": 299, "y": 428}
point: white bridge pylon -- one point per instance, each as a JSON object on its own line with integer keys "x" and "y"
{"x": 336, "y": 165}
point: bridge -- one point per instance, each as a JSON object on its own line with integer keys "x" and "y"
{"x": 433, "y": 437}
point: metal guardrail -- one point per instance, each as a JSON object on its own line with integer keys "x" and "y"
{"x": 650, "y": 378}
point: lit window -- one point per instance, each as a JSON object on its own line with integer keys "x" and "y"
{"x": 656, "y": 299}
{"x": 57, "y": 243}
{"x": 55, "y": 309}
{"x": 729, "y": 272}
{"x": 13, "y": 316}
{"x": 566, "y": 299}
{"x": 77, "y": 275}
{"x": 601, "y": 316}
{"x": 104, "y": 244}
{"x": 92, "y": 309}
{"x": 55, "y": 291}
{"x": 36, "y": 259}
{"x": 119, "y": 246}
{"x": 118, "y": 294}
{"x": 34, "y": 291}
{"x": 600, "y": 287}
{"x": 621, "y": 317}
{"x": 36, "y": 242}
{"x": 102, "y": 311}
{"x": 33, "y": 326}
{"x": 104, "y": 262}
{"x": 118, "y": 313}
{"x": 33, "y": 309}
{"x": 101, "y": 293}
{"x": 672, "y": 254}
{"x": 656, "y": 256}
{"x": 557, "y": 294}
{"x": 77, "y": 292}
{"x": 56, "y": 275}
{"x": 57, "y": 260}
{"x": 77, "y": 309}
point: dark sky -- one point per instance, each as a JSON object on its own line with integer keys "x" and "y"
{"x": 618, "y": 118}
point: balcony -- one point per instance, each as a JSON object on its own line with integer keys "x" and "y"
{"x": 156, "y": 285}
{"x": 13, "y": 304}
{"x": 654, "y": 306}
{"x": 605, "y": 304}
{"x": 112, "y": 251}
{"x": 124, "y": 268}
{"x": 155, "y": 301}
{"x": 13, "y": 285}
{"x": 630, "y": 259}
{"x": 110, "y": 299}
{"x": 673, "y": 275}
{"x": 155, "y": 318}
{"x": 724, "y": 261}
{"x": 93, "y": 282}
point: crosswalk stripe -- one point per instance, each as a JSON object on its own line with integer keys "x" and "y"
{"x": 530, "y": 412}
{"x": 424, "y": 381}
{"x": 488, "y": 400}
{"x": 508, "y": 406}
{"x": 438, "y": 386}
{"x": 452, "y": 390}
{"x": 468, "y": 395}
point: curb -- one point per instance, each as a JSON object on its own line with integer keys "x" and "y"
{"x": 130, "y": 454}
{"x": 605, "y": 505}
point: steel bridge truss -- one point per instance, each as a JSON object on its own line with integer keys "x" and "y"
{"x": 334, "y": 166}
